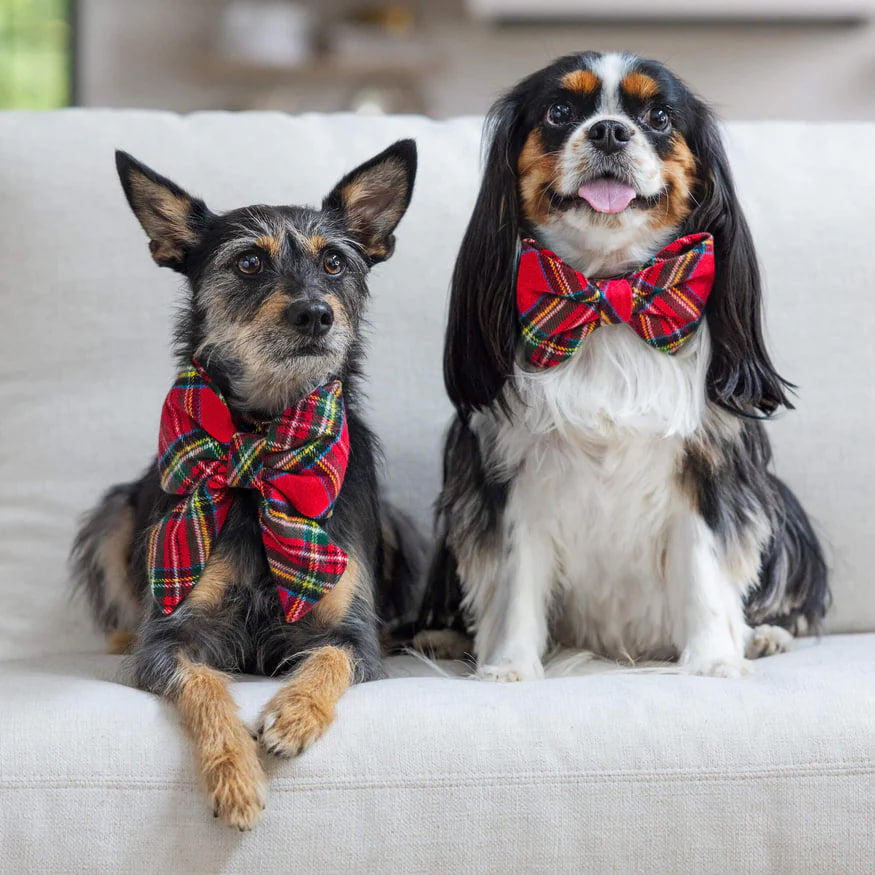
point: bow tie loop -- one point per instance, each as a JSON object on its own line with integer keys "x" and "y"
{"x": 663, "y": 301}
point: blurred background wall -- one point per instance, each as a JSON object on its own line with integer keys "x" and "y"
{"x": 800, "y": 59}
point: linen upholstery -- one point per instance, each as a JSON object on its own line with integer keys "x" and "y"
{"x": 607, "y": 771}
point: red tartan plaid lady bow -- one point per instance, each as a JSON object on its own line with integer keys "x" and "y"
{"x": 663, "y": 301}
{"x": 295, "y": 462}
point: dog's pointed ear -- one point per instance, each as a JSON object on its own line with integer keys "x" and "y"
{"x": 482, "y": 326}
{"x": 173, "y": 220}
{"x": 741, "y": 376}
{"x": 374, "y": 197}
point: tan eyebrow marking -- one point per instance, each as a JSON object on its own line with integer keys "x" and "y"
{"x": 311, "y": 242}
{"x": 270, "y": 244}
{"x": 315, "y": 243}
{"x": 640, "y": 85}
{"x": 581, "y": 80}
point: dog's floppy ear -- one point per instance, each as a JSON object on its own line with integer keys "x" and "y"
{"x": 741, "y": 376}
{"x": 172, "y": 218}
{"x": 374, "y": 197}
{"x": 482, "y": 325}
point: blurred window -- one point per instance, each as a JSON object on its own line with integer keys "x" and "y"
{"x": 36, "y": 53}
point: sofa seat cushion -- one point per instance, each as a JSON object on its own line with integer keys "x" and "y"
{"x": 614, "y": 770}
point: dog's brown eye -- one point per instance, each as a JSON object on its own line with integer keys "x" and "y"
{"x": 333, "y": 263}
{"x": 559, "y": 114}
{"x": 250, "y": 263}
{"x": 657, "y": 118}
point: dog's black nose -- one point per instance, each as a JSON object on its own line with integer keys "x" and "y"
{"x": 609, "y": 136}
{"x": 312, "y": 318}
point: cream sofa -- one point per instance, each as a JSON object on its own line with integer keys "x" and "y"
{"x": 609, "y": 771}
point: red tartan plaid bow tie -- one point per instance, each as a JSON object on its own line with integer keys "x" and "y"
{"x": 296, "y": 462}
{"x": 663, "y": 301}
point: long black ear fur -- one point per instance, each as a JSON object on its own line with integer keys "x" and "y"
{"x": 481, "y": 328}
{"x": 741, "y": 377}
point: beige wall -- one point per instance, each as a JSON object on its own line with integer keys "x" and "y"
{"x": 746, "y": 71}
{"x": 151, "y": 54}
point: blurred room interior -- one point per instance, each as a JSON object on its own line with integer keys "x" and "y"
{"x": 792, "y": 59}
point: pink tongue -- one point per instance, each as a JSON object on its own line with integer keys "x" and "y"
{"x": 607, "y": 195}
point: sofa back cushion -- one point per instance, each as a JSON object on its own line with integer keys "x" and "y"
{"x": 86, "y": 317}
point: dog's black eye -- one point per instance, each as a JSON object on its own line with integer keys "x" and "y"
{"x": 559, "y": 114}
{"x": 250, "y": 264}
{"x": 657, "y": 118}
{"x": 333, "y": 263}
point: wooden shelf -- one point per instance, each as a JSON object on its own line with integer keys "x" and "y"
{"x": 318, "y": 69}
{"x": 672, "y": 10}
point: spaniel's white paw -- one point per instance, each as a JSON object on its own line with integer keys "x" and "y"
{"x": 512, "y": 670}
{"x": 715, "y": 666}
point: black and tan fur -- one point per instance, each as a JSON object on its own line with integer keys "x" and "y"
{"x": 594, "y": 428}
{"x": 257, "y": 335}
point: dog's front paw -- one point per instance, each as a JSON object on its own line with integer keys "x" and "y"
{"x": 506, "y": 671}
{"x": 304, "y": 708}
{"x": 715, "y": 666}
{"x": 236, "y": 785}
{"x": 767, "y": 641}
{"x": 291, "y": 722}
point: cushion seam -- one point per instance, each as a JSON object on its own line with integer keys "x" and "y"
{"x": 458, "y": 781}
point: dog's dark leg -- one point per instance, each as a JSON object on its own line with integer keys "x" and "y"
{"x": 442, "y": 633}
{"x": 400, "y": 577}
{"x": 469, "y": 523}
{"x": 793, "y": 590}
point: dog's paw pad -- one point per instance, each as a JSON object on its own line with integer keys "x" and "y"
{"x": 767, "y": 641}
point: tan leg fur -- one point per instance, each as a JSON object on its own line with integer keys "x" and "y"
{"x": 227, "y": 755}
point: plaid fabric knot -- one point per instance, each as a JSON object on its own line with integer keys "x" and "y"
{"x": 295, "y": 462}
{"x": 663, "y": 301}
{"x": 245, "y": 461}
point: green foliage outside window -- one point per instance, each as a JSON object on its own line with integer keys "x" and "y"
{"x": 35, "y": 54}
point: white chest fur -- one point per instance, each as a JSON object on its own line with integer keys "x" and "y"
{"x": 592, "y": 450}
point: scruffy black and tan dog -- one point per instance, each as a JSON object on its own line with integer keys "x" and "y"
{"x": 255, "y": 541}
